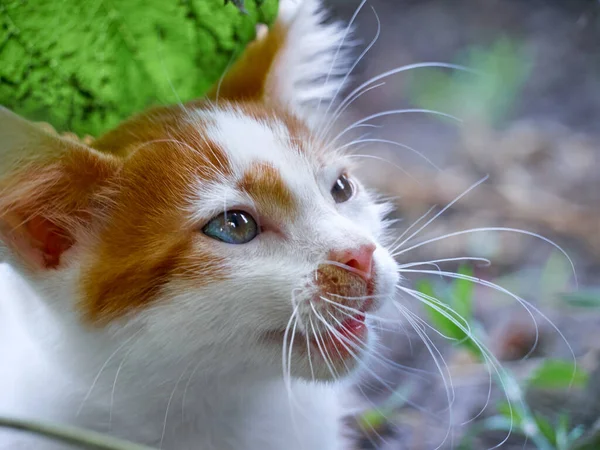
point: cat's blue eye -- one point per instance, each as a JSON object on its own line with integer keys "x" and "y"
{"x": 342, "y": 189}
{"x": 232, "y": 227}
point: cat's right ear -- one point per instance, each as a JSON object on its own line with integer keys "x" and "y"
{"x": 299, "y": 63}
{"x": 52, "y": 191}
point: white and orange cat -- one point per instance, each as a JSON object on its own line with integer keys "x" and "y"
{"x": 199, "y": 277}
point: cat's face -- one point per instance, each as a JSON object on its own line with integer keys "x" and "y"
{"x": 227, "y": 239}
{"x": 228, "y": 232}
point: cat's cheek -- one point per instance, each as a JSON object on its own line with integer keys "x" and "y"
{"x": 387, "y": 277}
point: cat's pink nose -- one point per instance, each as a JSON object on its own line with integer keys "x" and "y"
{"x": 359, "y": 258}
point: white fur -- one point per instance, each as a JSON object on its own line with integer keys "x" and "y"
{"x": 307, "y": 74}
{"x": 193, "y": 364}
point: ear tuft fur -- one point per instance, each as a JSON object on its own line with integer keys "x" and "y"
{"x": 300, "y": 63}
{"x": 49, "y": 191}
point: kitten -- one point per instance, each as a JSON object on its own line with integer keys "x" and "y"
{"x": 199, "y": 277}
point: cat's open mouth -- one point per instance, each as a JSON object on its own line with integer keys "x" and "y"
{"x": 340, "y": 339}
{"x": 347, "y": 339}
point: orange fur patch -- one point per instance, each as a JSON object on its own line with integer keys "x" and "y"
{"x": 247, "y": 78}
{"x": 49, "y": 200}
{"x": 264, "y": 184}
{"x": 148, "y": 239}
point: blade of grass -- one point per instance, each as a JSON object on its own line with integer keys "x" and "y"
{"x": 71, "y": 435}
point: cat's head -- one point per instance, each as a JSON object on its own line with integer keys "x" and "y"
{"x": 227, "y": 230}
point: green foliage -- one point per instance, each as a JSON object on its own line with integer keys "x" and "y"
{"x": 450, "y": 310}
{"x": 555, "y": 277}
{"x": 377, "y": 417}
{"x": 582, "y": 299}
{"x": 502, "y": 68}
{"x": 86, "y": 65}
{"x": 561, "y": 435}
{"x": 557, "y": 374}
{"x": 462, "y": 294}
{"x": 373, "y": 419}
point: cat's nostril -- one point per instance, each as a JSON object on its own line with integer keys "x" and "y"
{"x": 360, "y": 259}
{"x": 354, "y": 263}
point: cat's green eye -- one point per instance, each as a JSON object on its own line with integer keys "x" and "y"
{"x": 342, "y": 189}
{"x": 232, "y": 227}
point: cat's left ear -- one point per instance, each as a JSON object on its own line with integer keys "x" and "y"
{"x": 299, "y": 63}
{"x": 52, "y": 192}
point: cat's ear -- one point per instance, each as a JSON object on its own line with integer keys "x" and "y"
{"x": 299, "y": 62}
{"x": 51, "y": 191}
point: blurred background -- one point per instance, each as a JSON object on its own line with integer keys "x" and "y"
{"x": 531, "y": 122}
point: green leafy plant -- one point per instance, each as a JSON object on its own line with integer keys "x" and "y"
{"x": 582, "y": 299}
{"x": 557, "y": 374}
{"x": 514, "y": 415}
{"x": 84, "y": 66}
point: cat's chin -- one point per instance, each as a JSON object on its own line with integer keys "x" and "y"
{"x": 326, "y": 358}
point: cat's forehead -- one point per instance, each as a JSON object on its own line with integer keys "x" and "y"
{"x": 273, "y": 160}
{"x": 249, "y": 134}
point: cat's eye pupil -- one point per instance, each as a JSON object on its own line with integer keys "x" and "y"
{"x": 233, "y": 227}
{"x": 342, "y": 189}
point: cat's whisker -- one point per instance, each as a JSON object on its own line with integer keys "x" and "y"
{"x": 317, "y": 341}
{"x": 371, "y": 427}
{"x": 487, "y": 362}
{"x": 290, "y": 350}
{"x": 405, "y": 232}
{"x": 356, "y": 62}
{"x": 339, "y": 49}
{"x": 187, "y": 385}
{"x": 528, "y": 306}
{"x": 397, "y": 70}
{"x": 333, "y": 337}
{"x": 218, "y": 157}
{"x": 444, "y": 371}
{"x": 392, "y": 112}
{"x": 310, "y": 364}
{"x": 285, "y": 356}
{"x": 164, "y": 430}
{"x": 114, "y": 386}
{"x": 234, "y": 54}
{"x": 104, "y": 366}
{"x": 348, "y": 345}
{"x": 319, "y": 317}
{"x": 354, "y": 311}
{"x": 493, "y": 366}
{"x": 360, "y": 346}
{"x": 335, "y": 117}
{"x": 439, "y": 213}
{"x": 379, "y": 158}
{"x": 383, "y": 359}
{"x": 394, "y": 143}
{"x": 488, "y": 229}
{"x": 439, "y": 307}
{"x": 463, "y": 325}
{"x": 343, "y": 266}
{"x": 160, "y": 55}
{"x": 486, "y": 261}
{"x": 436, "y": 356}
{"x": 286, "y": 352}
